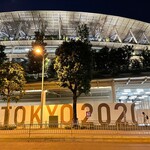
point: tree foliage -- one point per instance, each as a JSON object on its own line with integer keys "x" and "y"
{"x": 135, "y": 66}
{"x": 34, "y": 60}
{"x": 73, "y": 67}
{"x": 83, "y": 32}
{"x": 12, "y": 82}
{"x": 51, "y": 71}
{"x": 146, "y": 58}
{"x": 113, "y": 60}
{"x": 119, "y": 59}
{"x": 3, "y": 56}
{"x": 101, "y": 59}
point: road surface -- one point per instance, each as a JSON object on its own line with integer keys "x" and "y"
{"x": 73, "y": 146}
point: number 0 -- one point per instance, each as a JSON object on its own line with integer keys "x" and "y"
{"x": 108, "y": 120}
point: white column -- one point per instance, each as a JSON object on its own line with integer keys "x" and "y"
{"x": 42, "y": 92}
{"x": 59, "y": 28}
{"x": 113, "y": 92}
{"x": 11, "y": 53}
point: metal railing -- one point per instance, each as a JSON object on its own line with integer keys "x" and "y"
{"x": 81, "y": 131}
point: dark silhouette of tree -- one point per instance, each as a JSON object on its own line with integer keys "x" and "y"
{"x": 34, "y": 60}
{"x": 113, "y": 60}
{"x": 146, "y": 58}
{"x": 119, "y": 59}
{"x": 101, "y": 59}
{"x": 83, "y": 32}
{"x": 73, "y": 64}
{"x": 3, "y": 56}
{"x": 51, "y": 71}
{"x": 12, "y": 82}
{"x": 135, "y": 66}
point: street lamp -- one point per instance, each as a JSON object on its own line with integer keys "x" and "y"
{"x": 39, "y": 50}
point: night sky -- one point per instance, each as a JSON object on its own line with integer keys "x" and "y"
{"x": 135, "y": 9}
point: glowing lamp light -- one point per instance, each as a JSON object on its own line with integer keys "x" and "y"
{"x": 38, "y": 50}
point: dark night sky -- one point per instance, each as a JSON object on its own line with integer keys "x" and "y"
{"x": 135, "y": 9}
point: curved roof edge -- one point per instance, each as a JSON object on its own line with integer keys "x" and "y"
{"x": 103, "y": 27}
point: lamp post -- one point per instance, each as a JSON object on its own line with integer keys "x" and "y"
{"x": 42, "y": 92}
{"x": 39, "y": 50}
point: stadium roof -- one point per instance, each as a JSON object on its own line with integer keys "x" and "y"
{"x": 104, "y": 29}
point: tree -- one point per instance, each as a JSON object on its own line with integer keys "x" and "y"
{"x": 73, "y": 64}
{"x": 12, "y": 82}
{"x": 101, "y": 59}
{"x": 135, "y": 66}
{"x": 113, "y": 60}
{"x": 34, "y": 60}
{"x": 3, "y": 56}
{"x": 146, "y": 58}
{"x": 83, "y": 32}
{"x": 119, "y": 59}
{"x": 51, "y": 71}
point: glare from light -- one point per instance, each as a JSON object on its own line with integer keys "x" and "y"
{"x": 123, "y": 97}
{"x": 136, "y": 93}
{"x": 133, "y": 97}
{"x": 139, "y": 90}
{"x": 144, "y": 96}
{"x": 27, "y": 49}
{"x": 38, "y": 50}
{"x": 124, "y": 93}
{"x": 127, "y": 90}
{"x": 147, "y": 92}
{"x": 136, "y": 103}
{"x": 141, "y": 97}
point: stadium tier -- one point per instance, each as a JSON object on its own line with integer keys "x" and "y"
{"x": 17, "y": 30}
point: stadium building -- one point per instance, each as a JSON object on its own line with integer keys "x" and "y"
{"x": 17, "y": 32}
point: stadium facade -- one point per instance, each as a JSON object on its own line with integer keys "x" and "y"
{"x": 17, "y": 32}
